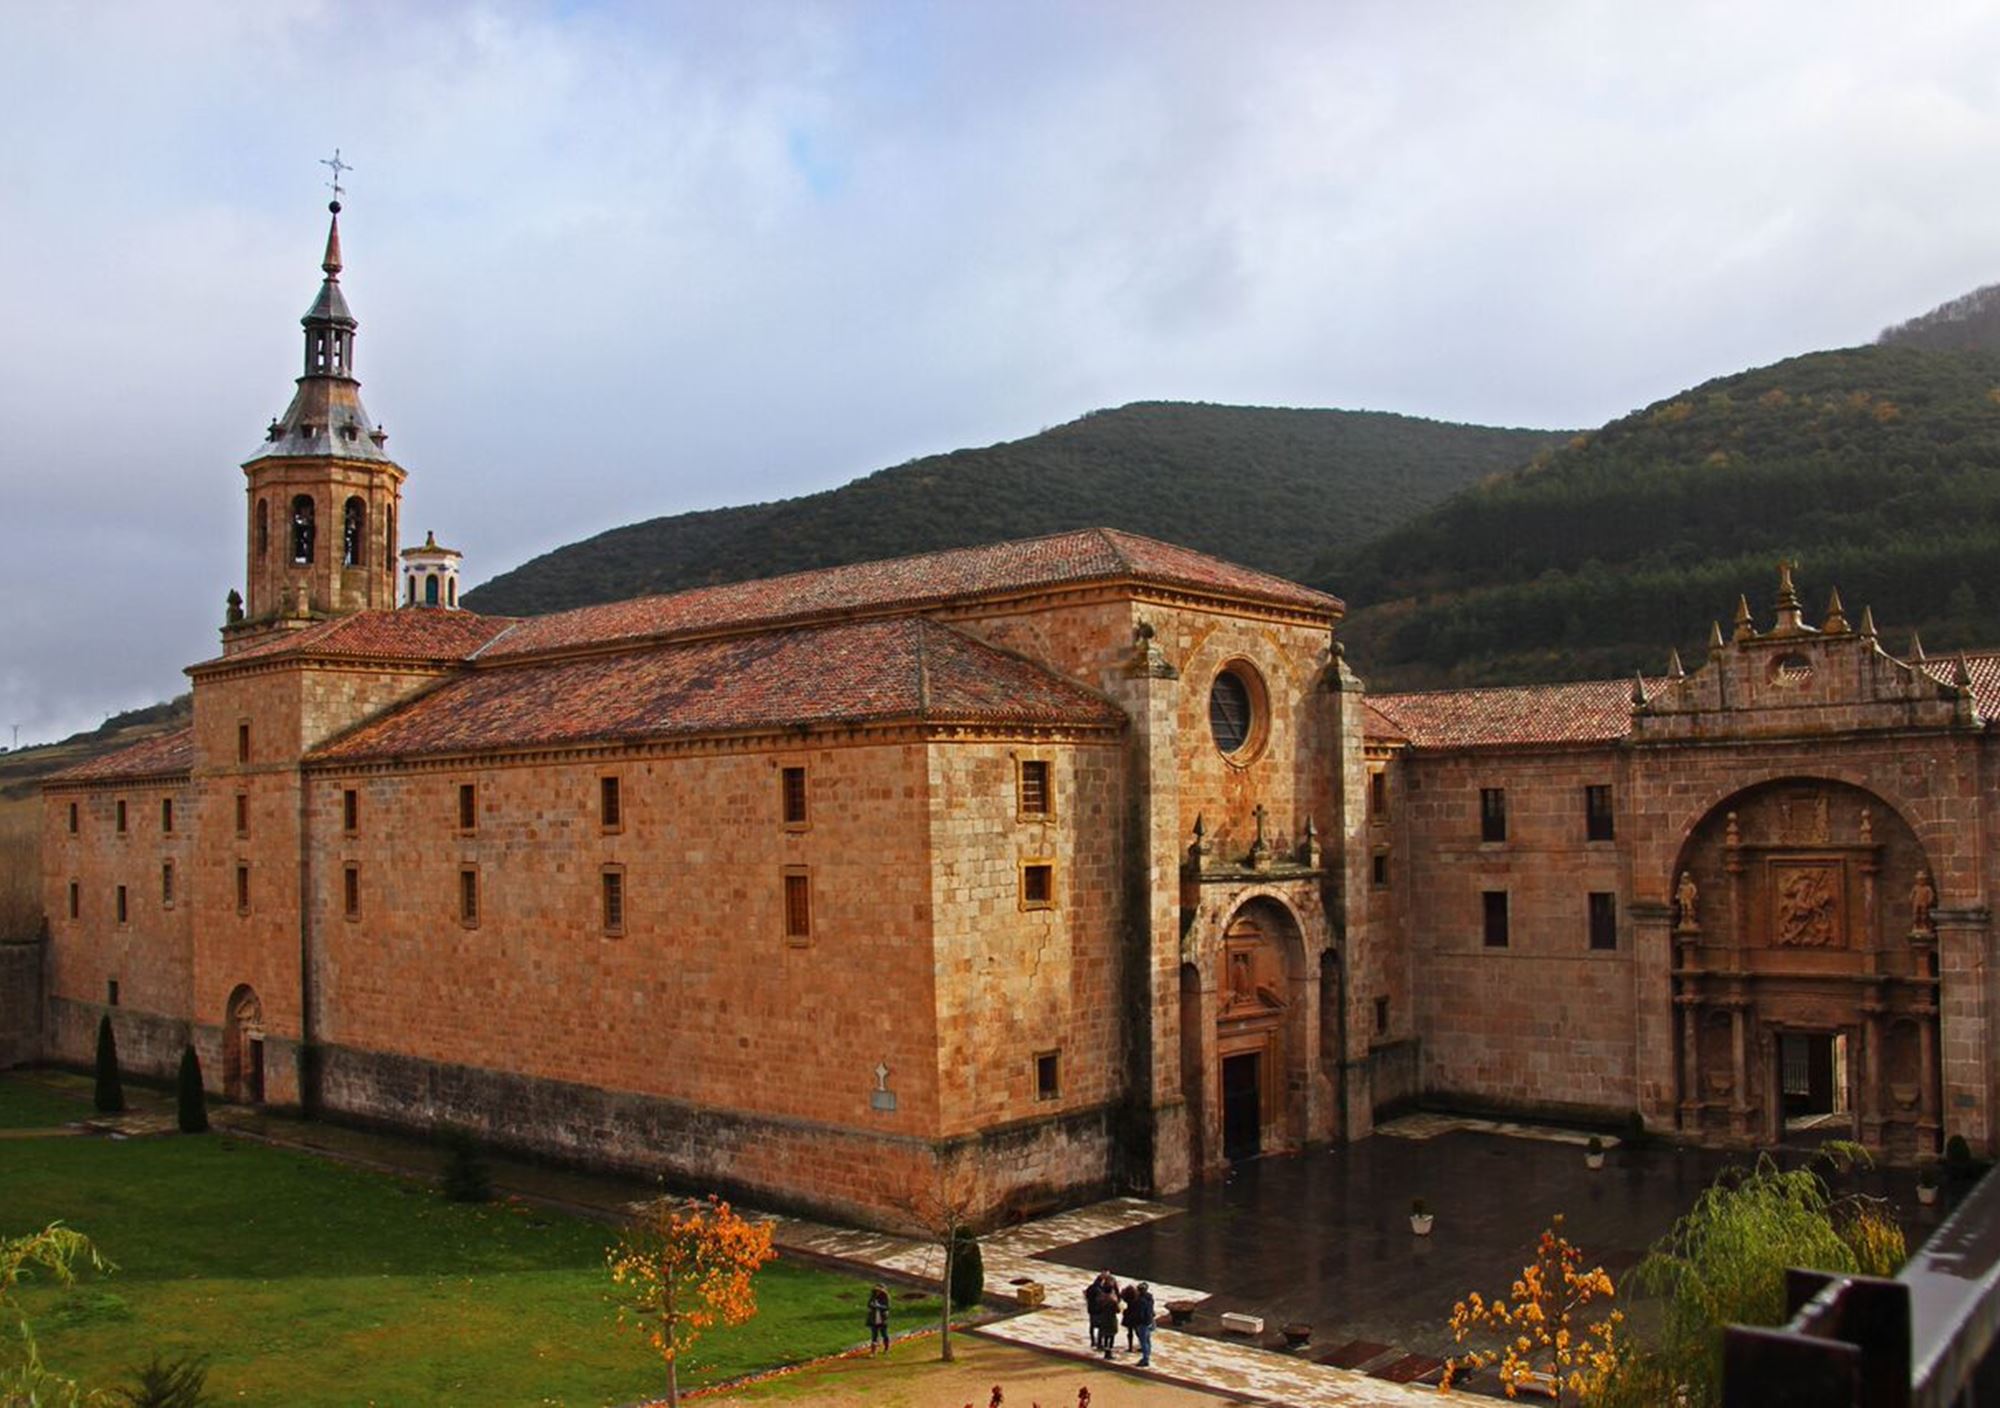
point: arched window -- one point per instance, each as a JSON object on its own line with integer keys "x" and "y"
{"x": 411, "y": 583}
{"x": 388, "y": 540}
{"x": 451, "y": 592}
{"x": 353, "y": 533}
{"x": 431, "y": 590}
{"x": 302, "y": 528}
{"x": 263, "y": 529}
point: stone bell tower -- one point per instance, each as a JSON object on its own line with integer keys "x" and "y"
{"x": 322, "y": 492}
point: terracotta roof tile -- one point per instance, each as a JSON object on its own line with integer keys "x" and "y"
{"x": 906, "y": 668}
{"x": 418, "y": 634}
{"x": 1588, "y": 711}
{"x": 153, "y": 757}
{"x": 907, "y": 583}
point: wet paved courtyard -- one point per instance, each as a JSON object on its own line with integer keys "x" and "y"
{"x": 1324, "y": 1238}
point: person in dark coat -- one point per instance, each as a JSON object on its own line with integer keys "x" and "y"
{"x": 878, "y": 1319}
{"x": 1127, "y": 1316}
{"x": 1104, "y": 1313}
{"x": 1139, "y": 1317}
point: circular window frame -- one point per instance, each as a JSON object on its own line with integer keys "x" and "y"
{"x": 1792, "y": 670}
{"x": 1259, "y": 732}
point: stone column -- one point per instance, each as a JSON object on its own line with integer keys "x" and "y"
{"x": 1347, "y": 896}
{"x": 1964, "y": 939}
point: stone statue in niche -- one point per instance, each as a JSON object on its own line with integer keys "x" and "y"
{"x": 1807, "y": 906}
{"x": 1242, "y": 977}
{"x": 1687, "y": 895}
{"x": 1923, "y": 897}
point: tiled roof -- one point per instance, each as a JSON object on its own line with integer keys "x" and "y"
{"x": 907, "y": 583}
{"x": 1985, "y": 672}
{"x": 1589, "y": 711}
{"x": 420, "y": 633}
{"x": 905, "y": 668}
{"x": 152, "y": 757}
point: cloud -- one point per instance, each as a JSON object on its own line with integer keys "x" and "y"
{"x": 614, "y": 261}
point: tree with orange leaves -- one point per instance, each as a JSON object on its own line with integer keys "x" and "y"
{"x": 1548, "y": 1345}
{"x": 683, "y": 1267}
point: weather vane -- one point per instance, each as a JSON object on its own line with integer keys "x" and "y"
{"x": 337, "y": 166}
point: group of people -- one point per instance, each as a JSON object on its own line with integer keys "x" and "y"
{"x": 1110, "y": 1306}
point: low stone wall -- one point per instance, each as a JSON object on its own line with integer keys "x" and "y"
{"x": 1395, "y": 1075}
{"x": 149, "y": 1045}
{"x": 782, "y": 1164}
{"x": 21, "y": 1015}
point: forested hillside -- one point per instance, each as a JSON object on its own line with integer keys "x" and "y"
{"x": 1877, "y": 468}
{"x": 1970, "y": 323}
{"x": 1270, "y": 488}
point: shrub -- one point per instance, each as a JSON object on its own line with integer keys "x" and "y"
{"x": 1957, "y": 1156}
{"x": 1419, "y": 1208}
{"x": 193, "y": 1098}
{"x": 110, "y": 1089}
{"x": 968, "y": 1269}
{"x": 166, "y": 1383}
{"x": 467, "y": 1178}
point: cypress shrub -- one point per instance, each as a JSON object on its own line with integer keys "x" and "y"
{"x": 193, "y": 1099}
{"x": 110, "y": 1089}
{"x": 467, "y": 1179}
{"x": 968, "y": 1269}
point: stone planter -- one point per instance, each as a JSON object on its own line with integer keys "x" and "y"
{"x": 1029, "y": 1294}
{"x": 1420, "y": 1223}
{"x": 1298, "y": 1336}
{"x": 1927, "y": 1193}
{"x": 1179, "y": 1312}
{"x": 1593, "y": 1161}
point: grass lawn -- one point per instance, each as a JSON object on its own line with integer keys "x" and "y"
{"x": 306, "y": 1282}
{"x": 27, "y": 1103}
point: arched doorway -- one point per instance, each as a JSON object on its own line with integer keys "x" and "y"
{"x": 1805, "y": 972}
{"x": 1247, "y": 1089}
{"x": 243, "y": 1047}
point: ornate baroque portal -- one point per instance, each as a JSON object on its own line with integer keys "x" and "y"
{"x": 1805, "y": 972}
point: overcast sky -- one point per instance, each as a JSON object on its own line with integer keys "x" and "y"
{"x": 614, "y": 261}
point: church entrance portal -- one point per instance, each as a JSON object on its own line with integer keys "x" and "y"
{"x": 243, "y": 1048}
{"x": 1242, "y": 1106}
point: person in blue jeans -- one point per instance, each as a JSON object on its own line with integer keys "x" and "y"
{"x": 1142, "y": 1322}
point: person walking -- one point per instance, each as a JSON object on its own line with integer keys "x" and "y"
{"x": 1142, "y": 1319}
{"x": 1106, "y": 1313}
{"x": 878, "y": 1320}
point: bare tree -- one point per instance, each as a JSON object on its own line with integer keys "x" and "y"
{"x": 941, "y": 1206}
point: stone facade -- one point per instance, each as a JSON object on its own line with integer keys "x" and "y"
{"x": 1041, "y": 869}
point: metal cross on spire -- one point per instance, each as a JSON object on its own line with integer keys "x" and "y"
{"x": 336, "y": 165}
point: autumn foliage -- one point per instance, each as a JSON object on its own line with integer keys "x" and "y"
{"x": 683, "y": 1267}
{"x": 1548, "y": 1341}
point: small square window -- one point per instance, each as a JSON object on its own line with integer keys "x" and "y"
{"x": 1378, "y": 872}
{"x": 242, "y": 887}
{"x": 1038, "y": 884}
{"x": 167, "y": 816}
{"x": 350, "y": 810}
{"x": 350, "y": 891}
{"x": 121, "y": 816}
{"x": 1495, "y": 905}
{"x": 1597, "y": 820}
{"x": 167, "y": 885}
{"x": 468, "y": 896}
{"x": 110, "y": 992}
{"x": 798, "y": 905}
{"x": 468, "y": 806}
{"x": 1492, "y": 813}
{"x": 242, "y": 813}
{"x": 610, "y": 805}
{"x": 243, "y": 742}
{"x": 122, "y": 915}
{"x": 793, "y": 789}
{"x": 75, "y": 899}
{"x": 1048, "y": 1075}
{"x": 1603, "y": 919}
{"x": 1378, "y": 796}
{"x": 1036, "y": 800}
{"x": 611, "y": 884}
{"x": 1381, "y": 1016}
{"x": 72, "y": 818}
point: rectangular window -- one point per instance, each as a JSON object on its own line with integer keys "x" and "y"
{"x": 350, "y": 810}
{"x": 243, "y": 742}
{"x": 1381, "y": 1016}
{"x": 110, "y": 992}
{"x": 1048, "y": 1075}
{"x": 167, "y": 885}
{"x": 1378, "y": 796}
{"x": 1603, "y": 919}
{"x": 798, "y": 905}
{"x": 468, "y": 806}
{"x": 75, "y": 899}
{"x": 121, "y": 816}
{"x": 1379, "y": 870}
{"x": 610, "y": 806}
{"x": 72, "y": 818}
{"x": 1038, "y": 884}
{"x": 468, "y": 896}
{"x": 167, "y": 816}
{"x": 350, "y": 891}
{"x": 122, "y": 916}
{"x": 1496, "y": 917}
{"x": 793, "y": 788}
{"x": 242, "y": 813}
{"x": 1035, "y": 788}
{"x": 242, "y": 887}
{"x": 612, "y": 883}
{"x": 1492, "y": 813}
{"x": 1597, "y": 823}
